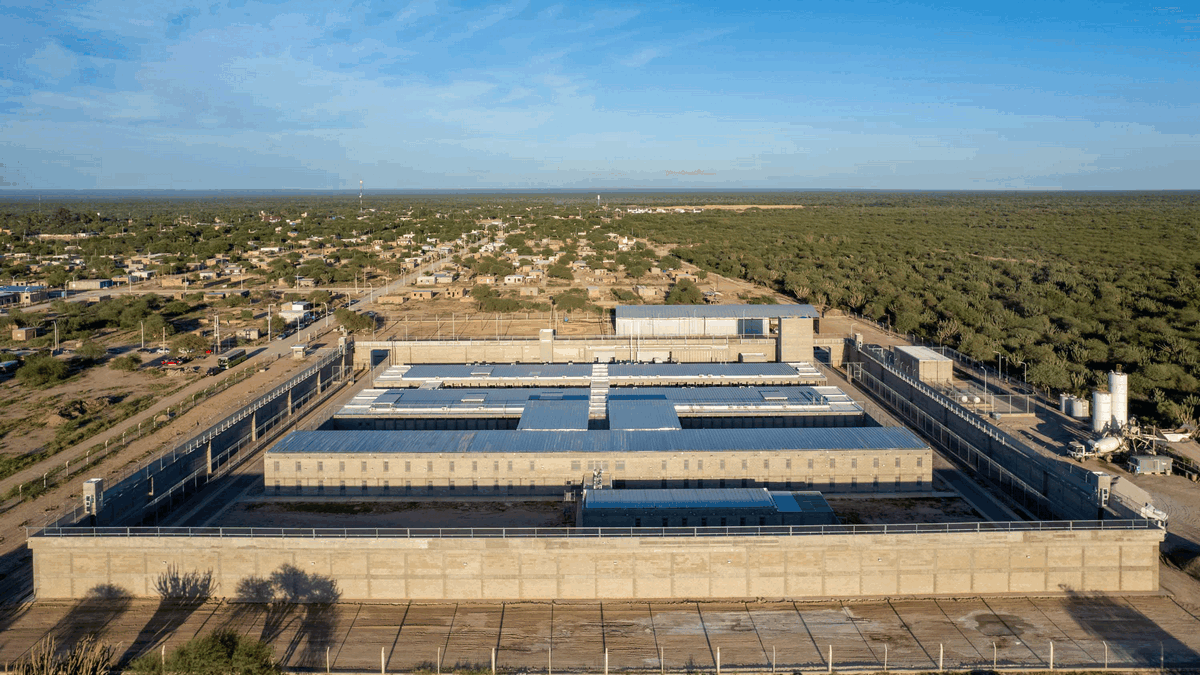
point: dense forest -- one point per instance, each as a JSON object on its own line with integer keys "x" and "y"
{"x": 1065, "y": 285}
{"x": 1071, "y": 285}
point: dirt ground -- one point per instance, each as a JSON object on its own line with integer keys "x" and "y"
{"x": 400, "y": 514}
{"x": 916, "y": 510}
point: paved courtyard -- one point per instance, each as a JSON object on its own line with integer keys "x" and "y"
{"x": 907, "y": 634}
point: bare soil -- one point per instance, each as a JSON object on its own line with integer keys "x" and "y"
{"x": 370, "y": 514}
{"x": 894, "y": 511}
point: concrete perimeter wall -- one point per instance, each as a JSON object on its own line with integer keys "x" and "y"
{"x": 659, "y": 568}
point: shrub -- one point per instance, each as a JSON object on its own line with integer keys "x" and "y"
{"x": 41, "y": 370}
{"x": 128, "y": 363}
{"x": 219, "y": 653}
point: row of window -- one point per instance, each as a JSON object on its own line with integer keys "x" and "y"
{"x": 602, "y": 465}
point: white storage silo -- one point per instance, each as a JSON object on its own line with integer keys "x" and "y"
{"x": 1118, "y": 384}
{"x": 1079, "y": 407}
{"x": 1101, "y": 411}
{"x": 1063, "y": 405}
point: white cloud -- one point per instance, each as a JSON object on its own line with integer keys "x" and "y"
{"x": 52, "y": 60}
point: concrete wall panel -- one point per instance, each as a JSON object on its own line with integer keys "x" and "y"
{"x": 622, "y": 568}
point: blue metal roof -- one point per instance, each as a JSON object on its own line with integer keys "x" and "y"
{"x": 699, "y": 498}
{"x": 642, "y": 413}
{"x": 801, "y": 502}
{"x": 555, "y": 415}
{"x": 607, "y": 441}
{"x": 714, "y": 311}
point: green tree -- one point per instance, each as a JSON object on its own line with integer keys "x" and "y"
{"x": 190, "y": 343}
{"x": 223, "y": 652}
{"x": 90, "y": 352}
{"x": 684, "y": 293}
{"x": 41, "y": 370}
{"x": 353, "y": 321}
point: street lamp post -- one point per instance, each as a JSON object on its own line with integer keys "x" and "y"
{"x": 269, "y": 322}
{"x": 143, "y": 324}
{"x": 326, "y": 313}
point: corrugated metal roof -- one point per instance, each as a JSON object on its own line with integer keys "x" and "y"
{"x": 555, "y": 415}
{"x": 714, "y": 311}
{"x": 398, "y": 401}
{"x": 801, "y": 502}
{"x": 699, "y": 498}
{"x": 647, "y": 413}
{"x": 608, "y": 441}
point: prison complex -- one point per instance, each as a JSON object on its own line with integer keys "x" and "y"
{"x": 697, "y": 467}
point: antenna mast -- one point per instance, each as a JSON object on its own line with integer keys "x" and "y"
{"x": 360, "y": 188}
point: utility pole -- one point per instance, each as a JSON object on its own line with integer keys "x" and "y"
{"x": 217, "y": 332}
{"x": 143, "y": 324}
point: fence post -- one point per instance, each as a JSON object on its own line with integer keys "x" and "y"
{"x": 1052, "y": 655}
{"x": 1106, "y": 656}
{"x": 382, "y": 662}
{"x": 885, "y": 657}
{"x": 606, "y": 661}
{"x": 831, "y": 658}
{"x": 993, "y": 656}
{"x": 493, "y": 661}
{"x": 718, "y": 661}
{"x": 941, "y": 653}
{"x": 439, "y": 661}
{"x": 327, "y": 659}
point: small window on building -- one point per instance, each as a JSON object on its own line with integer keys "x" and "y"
{"x": 429, "y": 486}
{"x": 451, "y": 467}
{"x": 474, "y": 485}
{"x": 277, "y": 467}
{"x": 386, "y": 487}
{"x": 299, "y": 487}
{"x": 853, "y": 462}
{"x": 385, "y": 466}
{"x": 451, "y": 485}
{"x": 532, "y": 485}
{"x": 832, "y": 483}
{"x": 766, "y": 464}
{"x": 342, "y": 487}
{"x": 320, "y": 467}
{"x": 832, "y": 463}
{"x": 637, "y": 522}
{"x": 854, "y": 482}
{"x": 407, "y": 466}
{"x": 510, "y": 465}
{"x": 722, "y": 465}
{"x": 875, "y": 463}
{"x": 920, "y": 462}
{"x": 897, "y": 483}
{"x": 787, "y": 463}
{"x": 897, "y": 462}
{"x": 364, "y": 487}
{"x": 320, "y": 487}
{"x": 875, "y": 483}
{"x": 575, "y": 465}
{"x": 685, "y": 464}
{"x": 664, "y": 465}
{"x": 429, "y": 466}
{"x": 810, "y": 464}
{"x": 408, "y": 486}
{"x": 297, "y": 467}
{"x": 510, "y": 486}
{"x": 531, "y": 467}
{"x": 745, "y": 465}
{"x": 341, "y": 467}
{"x": 278, "y": 487}
{"x": 496, "y": 467}
{"x": 363, "y": 466}
{"x": 474, "y": 467}
{"x": 620, "y": 465}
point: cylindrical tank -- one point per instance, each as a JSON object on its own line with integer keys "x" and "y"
{"x": 1101, "y": 411}
{"x": 1118, "y": 384}
{"x": 1078, "y": 407}
{"x": 1105, "y": 445}
{"x": 1063, "y": 406}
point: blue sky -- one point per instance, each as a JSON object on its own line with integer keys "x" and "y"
{"x": 436, "y": 95}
